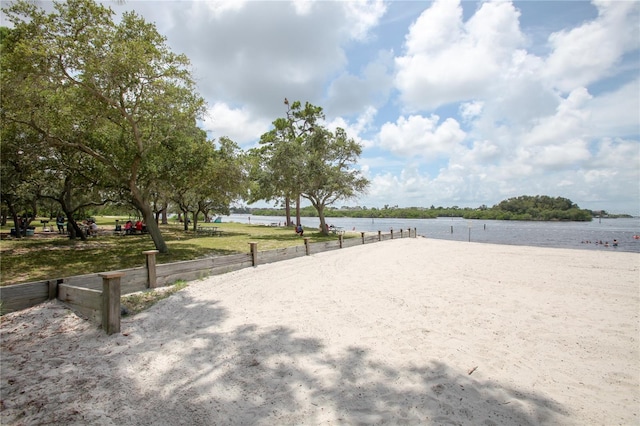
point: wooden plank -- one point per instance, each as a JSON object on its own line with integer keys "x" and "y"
{"x": 184, "y": 266}
{"x": 228, "y": 268}
{"x": 370, "y": 239}
{"x": 134, "y": 280}
{"x": 79, "y": 295}
{"x": 167, "y": 274}
{"x": 351, "y": 242}
{"x": 168, "y": 279}
{"x": 21, "y": 296}
{"x": 324, "y": 246}
{"x": 276, "y": 255}
{"x": 233, "y": 259}
{"x": 92, "y": 281}
{"x": 208, "y": 263}
{"x": 85, "y": 302}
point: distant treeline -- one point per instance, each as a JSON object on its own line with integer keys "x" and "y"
{"x": 539, "y": 207}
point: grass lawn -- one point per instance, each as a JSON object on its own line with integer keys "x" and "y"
{"x": 49, "y": 255}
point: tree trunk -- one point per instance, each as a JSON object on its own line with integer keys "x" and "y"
{"x": 287, "y": 210}
{"x": 154, "y": 231}
{"x": 17, "y": 223}
{"x": 65, "y": 203}
{"x": 185, "y": 220}
{"x": 163, "y": 214}
{"x": 14, "y": 215}
{"x": 323, "y": 224}
{"x": 150, "y": 220}
{"x": 74, "y": 230}
{"x": 298, "y": 209}
{"x": 195, "y": 222}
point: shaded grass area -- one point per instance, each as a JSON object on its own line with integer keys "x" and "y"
{"x": 51, "y": 255}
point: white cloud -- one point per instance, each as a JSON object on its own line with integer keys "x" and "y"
{"x": 303, "y": 7}
{"x": 236, "y": 124}
{"x": 363, "y": 16}
{"x": 589, "y": 52}
{"x": 219, "y": 7}
{"x": 560, "y": 155}
{"x": 348, "y": 94}
{"x": 421, "y": 136}
{"x": 356, "y": 129}
{"x": 470, "y": 110}
{"x": 570, "y": 120}
{"x": 617, "y": 112}
{"x": 447, "y": 60}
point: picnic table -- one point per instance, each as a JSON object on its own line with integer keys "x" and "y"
{"x": 337, "y": 230}
{"x": 210, "y": 230}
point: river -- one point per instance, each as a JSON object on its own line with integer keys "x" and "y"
{"x": 577, "y": 235}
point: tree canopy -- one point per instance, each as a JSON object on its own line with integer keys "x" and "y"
{"x": 517, "y": 208}
{"x": 299, "y": 157}
{"x": 110, "y": 91}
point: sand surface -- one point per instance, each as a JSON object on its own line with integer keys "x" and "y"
{"x": 408, "y": 331}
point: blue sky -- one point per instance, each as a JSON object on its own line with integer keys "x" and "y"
{"x": 455, "y": 103}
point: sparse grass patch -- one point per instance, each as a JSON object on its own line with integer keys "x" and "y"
{"x": 137, "y": 302}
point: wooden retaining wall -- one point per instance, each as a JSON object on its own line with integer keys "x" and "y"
{"x": 276, "y": 255}
{"x": 84, "y": 301}
{"x": 190, "y": 270}
{"x": 85, "y": 294}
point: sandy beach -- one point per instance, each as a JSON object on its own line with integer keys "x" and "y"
{"x": 408, "y": 331}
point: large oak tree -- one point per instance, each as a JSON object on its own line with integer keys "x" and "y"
{"x": 111, "y": 90}
{"x": 299, "y": 157}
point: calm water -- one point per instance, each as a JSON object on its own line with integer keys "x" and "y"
{"x": 541, "y": 234}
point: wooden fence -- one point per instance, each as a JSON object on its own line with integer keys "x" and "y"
{"x": 97, "y": 296}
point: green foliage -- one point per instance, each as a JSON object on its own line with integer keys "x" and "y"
{"x": 542, "y": 207}
{"x": 301, "y": 158}
{"x": 519, "y": 208}
{"x": 110, "y": 92}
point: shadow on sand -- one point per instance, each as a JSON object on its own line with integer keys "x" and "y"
{"x": 187, "y": 370}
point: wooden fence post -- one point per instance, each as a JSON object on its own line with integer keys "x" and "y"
{"x": 152, "y": 281}
{"x": 53, "y": 288}
{"x": 400, "y": 232}
{"x": 340, "y": 240}
{"x": 111, "y": 301}
{"x": 362, "y": 235}
{"x": 306, "y": 245}
{"x": 254, "y": 253}
{"x": 379, "y": 235}
{"x": 392, "y": 233}
{"x": 415, "y": 232}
